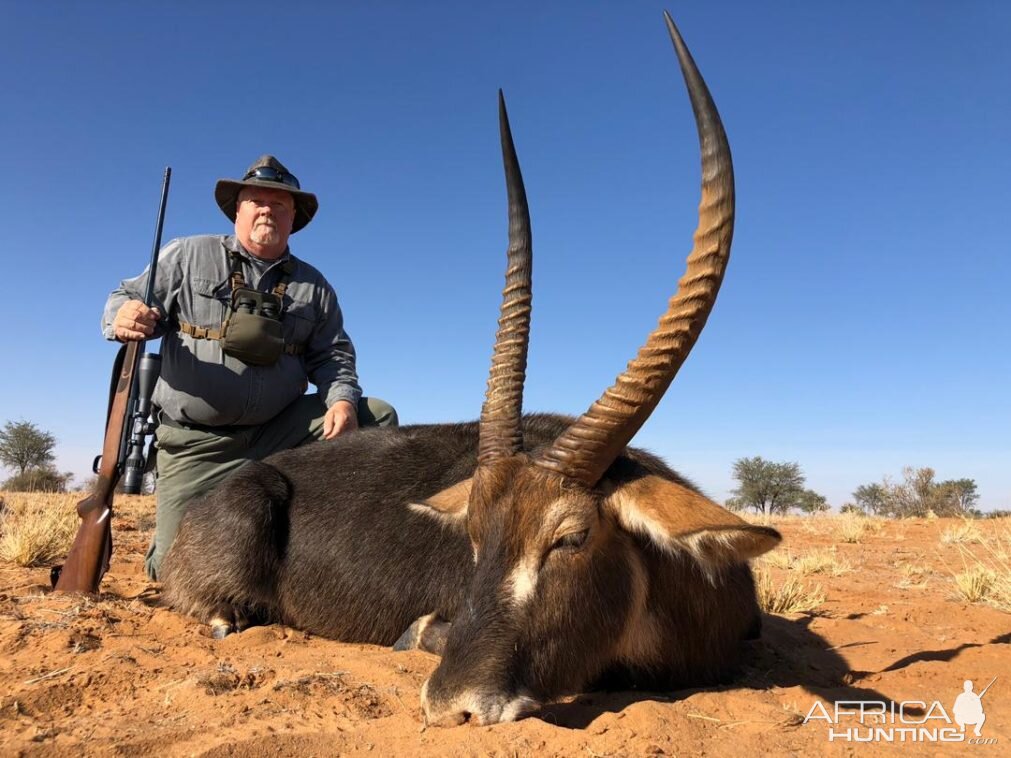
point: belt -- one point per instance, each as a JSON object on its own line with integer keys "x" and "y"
{"x": 168, "y": 421}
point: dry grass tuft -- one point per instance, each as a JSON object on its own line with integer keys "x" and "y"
{"x": 36, "y": 528}
{"x": 852, "y": 529}
{"x": 914, "y": 576}
{"x": 976, "y": 583}
{"x": 821, "y": 562}
{"x": 874, "y": 525}
{"x": 815, "y": 524}
{"x": 781, "y": 559}
{"x": 792, "y": 596}
{"x": 813, "y": 562}
{"x": 965, "y": 533}
{"x": 986, "y": 569}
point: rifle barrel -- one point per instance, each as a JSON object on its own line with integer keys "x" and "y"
{"x": 149, "y": 292}
{"x": 986, "y": 688}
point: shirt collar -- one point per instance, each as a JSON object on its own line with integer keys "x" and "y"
{"x": 231, "y": 243}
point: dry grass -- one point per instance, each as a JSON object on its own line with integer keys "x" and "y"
{"x": 754, "y": 517}
{"x": 821, "y": 562}
{"x": 874, "y": 525}
{"x": 965, "y": 533}
{"x": 816, "y": 523}
{"x": 813, "y": 562}
{"x": 781, "y": 559}
{"x": 914, "y": 576}
{"x": 986, "y": 568}
{"x": 852, "y": 529}
{"x": 792, "y": 596}
{"x": 36, "y": 528}
{"x": 976, "y": 583}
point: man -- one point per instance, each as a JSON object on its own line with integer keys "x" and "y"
{"x": 245, "y": 325}
{"x": 968, "y": 708}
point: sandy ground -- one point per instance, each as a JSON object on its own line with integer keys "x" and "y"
{"x": 118, "y": 674}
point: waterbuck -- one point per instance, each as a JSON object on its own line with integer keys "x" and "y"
{"x": 537, "y": 554}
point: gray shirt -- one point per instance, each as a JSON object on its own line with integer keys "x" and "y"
{"x": 200, "y": 384}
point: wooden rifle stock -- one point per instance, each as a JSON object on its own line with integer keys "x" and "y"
{"x": 88, "y": 559}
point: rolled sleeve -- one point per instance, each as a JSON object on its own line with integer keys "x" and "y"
{"x": 166, "y": 290}
{"x": 330, "y": 356}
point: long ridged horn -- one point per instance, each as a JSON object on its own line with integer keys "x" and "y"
{"x": 586, "y": 449}
{"x": 500, "y": 434}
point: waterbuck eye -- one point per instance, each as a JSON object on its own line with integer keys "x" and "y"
{"x": 571, "y": 541}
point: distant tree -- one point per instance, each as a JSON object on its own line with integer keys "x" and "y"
{"x": 958, "y": 495}
{"x": 918, "y": 495}
{"x": 852, "y": 508}
{"x": 24, "y": 446}
{"x": 922, "y": 495}
{"x": 922, "y": 491}
{"x": 41, "y": 479}
{"x": 734, "y": 504}
{"x": 810, "y": 501}
{"x": 910, "y": 498}
{"x": 871, "y": 498}
{"x": 766, "y": 486}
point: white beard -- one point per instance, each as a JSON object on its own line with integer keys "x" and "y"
{"x": 264, "y": 233}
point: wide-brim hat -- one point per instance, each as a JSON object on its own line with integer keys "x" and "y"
{"x": 267, "y": 171}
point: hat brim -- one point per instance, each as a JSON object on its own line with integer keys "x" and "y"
{"x": 226, "y": 193}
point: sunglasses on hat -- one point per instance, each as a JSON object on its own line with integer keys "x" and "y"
{"x": 273, "y": 175}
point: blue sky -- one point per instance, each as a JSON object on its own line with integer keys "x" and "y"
{"x": 863, "y": 322}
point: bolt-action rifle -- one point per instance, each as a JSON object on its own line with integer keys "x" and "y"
{"x": 126, "y": 430}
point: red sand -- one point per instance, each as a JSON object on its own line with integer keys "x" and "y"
{"x": 120, "y": 675}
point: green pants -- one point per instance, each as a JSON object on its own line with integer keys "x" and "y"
{"x": 192, "y": 461}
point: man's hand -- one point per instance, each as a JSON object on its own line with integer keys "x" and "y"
{"x": 134, "y": 321}
{"x": 339, "y": 419}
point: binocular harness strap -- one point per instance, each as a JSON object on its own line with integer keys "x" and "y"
{"x": 199, "y": 332}
{"x": 202, "y": 333}
{"x": 238, "y": 281}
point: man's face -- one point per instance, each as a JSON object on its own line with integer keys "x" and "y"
{"x": 263, "y": 219}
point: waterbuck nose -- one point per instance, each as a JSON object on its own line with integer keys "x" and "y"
{"x": 439, "y": 715}
{"x": 453, "y": 709}
{"x": 449, "y": 719}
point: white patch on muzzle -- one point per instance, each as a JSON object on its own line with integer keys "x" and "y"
{"x": 522, "y": 581}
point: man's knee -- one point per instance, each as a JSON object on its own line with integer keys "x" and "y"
{"x": 373, "y": 411}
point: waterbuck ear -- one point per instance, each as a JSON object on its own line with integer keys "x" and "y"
{"x": 676, "y": 518}
{"x": 449, "y": 505}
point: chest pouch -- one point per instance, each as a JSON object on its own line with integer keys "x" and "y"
{"x": 252, "y": 332}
